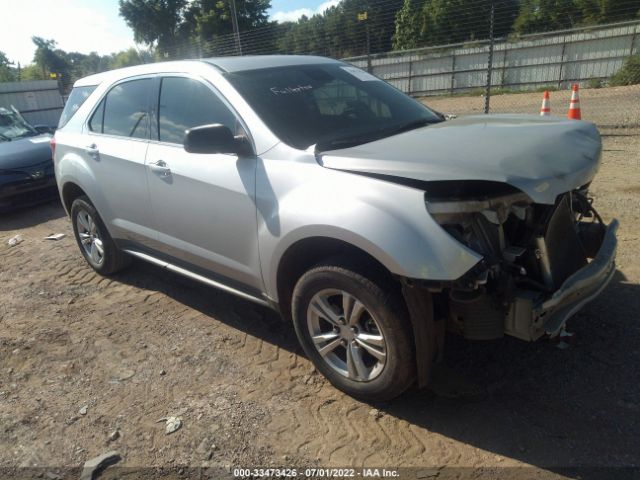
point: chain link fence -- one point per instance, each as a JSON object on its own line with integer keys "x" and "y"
{"x": 508, "y": 76}
{"x": 492, "y": 74}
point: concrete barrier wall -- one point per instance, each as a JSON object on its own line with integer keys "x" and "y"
{"x": 39, "y": 101}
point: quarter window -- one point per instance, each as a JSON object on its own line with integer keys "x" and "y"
{"x": 124, "y": 111}
{"x": 187, "y": 103}
{"x": 95, "y": 124}
{"x": 74, "y": 102}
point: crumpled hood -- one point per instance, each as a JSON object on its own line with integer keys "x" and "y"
{"x": 541, "y": 156}
{"x": 25, "y": 153}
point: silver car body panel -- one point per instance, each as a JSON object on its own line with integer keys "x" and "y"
{"x": 523, "y": 151}
{"x": 298, "y": 199}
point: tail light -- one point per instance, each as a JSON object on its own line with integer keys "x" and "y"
{"x": 52, "y": 143}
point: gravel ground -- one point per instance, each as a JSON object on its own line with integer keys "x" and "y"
{"x": 83, "y": 357}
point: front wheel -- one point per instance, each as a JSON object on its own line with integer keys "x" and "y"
{"x": 355, "y": 331}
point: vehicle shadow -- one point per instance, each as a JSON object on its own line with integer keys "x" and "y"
{"x": 563, "y": 409}
{"x": 30, "y": 216}
{"x": 566, "y": 410}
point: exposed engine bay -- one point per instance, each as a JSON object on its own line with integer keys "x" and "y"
{"x": 540, "y": 263}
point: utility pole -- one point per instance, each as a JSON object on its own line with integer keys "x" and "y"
{"x": 487, "y": 93}
{"x": 364, "y": 17}
{"x": 236, "y": 30}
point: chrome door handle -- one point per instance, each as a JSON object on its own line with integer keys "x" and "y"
{"x": 160, "y": 167}
{"x": 92, "y": 149}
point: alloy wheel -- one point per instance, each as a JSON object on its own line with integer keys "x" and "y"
{"x": 90, "y": 237}
{"x": 346, "y": 335}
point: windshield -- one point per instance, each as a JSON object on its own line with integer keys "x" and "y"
{"x": 330, "y": 106}
{"x": 13, "y": 126}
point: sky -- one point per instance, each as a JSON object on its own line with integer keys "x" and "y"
{"x": 94, "y": 25}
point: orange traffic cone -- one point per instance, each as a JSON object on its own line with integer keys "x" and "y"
{"x": 574, "y": 105}
{"x": 545, "y": 110}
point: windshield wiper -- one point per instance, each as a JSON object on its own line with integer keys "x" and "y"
{"x": 352, "y": 141}
{"x": 412, "y": 126}
{"x": 345, "y": 142}
{"x": 4, "y": 138}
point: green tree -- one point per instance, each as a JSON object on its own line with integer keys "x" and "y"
{"x": 441, "y": 22}
{"x": 130, "y": 57}
{"x": 407, "y": 26}
{"x": 155, "y": 22}
{"x": 32, "y": 72}
{"x": 213, "y": 18}
{"x": 6, "y": 72}
{"x": 51, "y": 60}
{"x": 606, "y": 11}
{"x": 546, "y": 15}
{"x": 337, "y": 32}
{"x": 208, "y": 24}
{"x": 179, "y": 28}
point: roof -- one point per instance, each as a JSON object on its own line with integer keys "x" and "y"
{"x": 257, "y": 62}
{"x": 224, "y": 64}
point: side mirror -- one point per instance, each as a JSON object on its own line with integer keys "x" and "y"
{"x": 44, "y": 129}
{"x": 214, "y": 138}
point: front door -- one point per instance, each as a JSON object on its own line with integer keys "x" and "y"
{"x": 204, "y": 204}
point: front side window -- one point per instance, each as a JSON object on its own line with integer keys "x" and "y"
{"x": 124, "y": 111}
{"x": 186, "y": 103}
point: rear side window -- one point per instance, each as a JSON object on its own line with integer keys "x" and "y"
{"x": 187, "y": 103}
{"x": 123, "y": 112}
{"x": 74, "y": 102}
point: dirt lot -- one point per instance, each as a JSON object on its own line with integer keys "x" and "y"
{"x": 608, "y": 107}
{"x": 147, "y": 344}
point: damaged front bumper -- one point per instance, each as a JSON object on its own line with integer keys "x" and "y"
{"x": 581, "y": 287}
{"x": 530, "y": 318}
{"x": 541, "y": 264}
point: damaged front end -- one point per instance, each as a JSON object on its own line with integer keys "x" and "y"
{"x": 541, "y": 263}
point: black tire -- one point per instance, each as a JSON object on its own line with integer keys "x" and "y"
{"x": 112, "y": 259}
{"x": 390, "y": 319}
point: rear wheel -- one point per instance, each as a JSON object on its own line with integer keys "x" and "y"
{"x": 96, "y": 245}
{"x": 355, "y": 331}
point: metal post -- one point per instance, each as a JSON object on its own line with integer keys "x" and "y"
{"x": 453, "y": 71}
{"x": 504, "y": 65}
{"x": 364, "y": 17}
{"x": 368, "y": 46}
{"x": 487, "y": 93}
{"x": 564, "y": 47}
{"x": 236, "y": 30}
{"x": 410, "y": 74}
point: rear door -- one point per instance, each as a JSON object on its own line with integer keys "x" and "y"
{"x": 115, "y": 150}
{"x": 204, "y": 204}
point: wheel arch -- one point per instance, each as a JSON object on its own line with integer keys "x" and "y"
{"x": 307, "y": 252}
{"x": 71, "y": 191}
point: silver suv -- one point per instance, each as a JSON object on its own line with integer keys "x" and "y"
{"x": 310, "y": 186}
